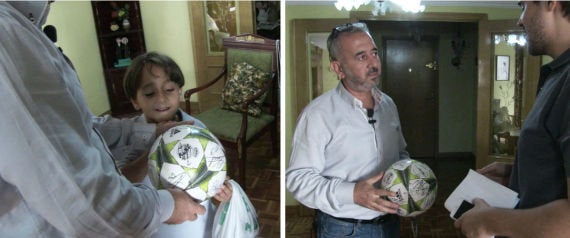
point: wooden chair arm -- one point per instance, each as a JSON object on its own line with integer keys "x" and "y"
{"x": 188, "y": 93}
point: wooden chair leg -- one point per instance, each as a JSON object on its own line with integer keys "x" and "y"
{"x": 233, "y": 165}
{"x": 242, "y": 160}
{"x": 274, "y": 141}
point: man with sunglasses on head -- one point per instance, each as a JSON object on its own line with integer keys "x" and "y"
{"x": 541, "y": 171}
{"x": 344, "y": 141}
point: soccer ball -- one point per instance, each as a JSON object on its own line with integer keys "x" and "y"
{"x": 190, "y": 158}
{"x": 415, "y": 185}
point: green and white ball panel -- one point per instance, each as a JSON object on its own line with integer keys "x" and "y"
{"x": 153, "y": 156}
{"x": 418, "y": 189}
{"x": 180, "y": 132}
{"x": 401, "y": 197}
{"x": 215, "y": 157}
{"x": 390, "y": 177}
{"x": 401, "y": 165}
{"x": 207, "y": 188}
{"x": 173, "y": 175}
{"x": 428, "y": 201}
{"x": 415, "y": 185}
{"x": 189, "y": 158}
{"x": 421, "y": 170}
{"x": 215, "y": 182}
{"x": 188, "y": 152}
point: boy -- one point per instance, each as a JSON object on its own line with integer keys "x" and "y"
{"x": 153, "y": 83}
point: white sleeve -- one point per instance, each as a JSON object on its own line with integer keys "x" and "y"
{"x": 50, "y": 153}
{"x": 126, "y": 138}
{"x": 303, "y": 176}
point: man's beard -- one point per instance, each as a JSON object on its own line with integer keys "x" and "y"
{"x": 536, "y": 38}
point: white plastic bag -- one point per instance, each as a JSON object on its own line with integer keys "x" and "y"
{"x": 235, "y": 218}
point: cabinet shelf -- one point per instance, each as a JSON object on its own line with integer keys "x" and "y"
{"x": 105, "y": 14}
{"x": 121, "y": 33}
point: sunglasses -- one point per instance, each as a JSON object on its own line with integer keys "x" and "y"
{"x": 337, "y": 30}
{"x": 349, "y": 26}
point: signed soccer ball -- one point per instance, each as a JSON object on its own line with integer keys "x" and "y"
{"x": 190, "y": 158}
{"x": 415, "y": 185}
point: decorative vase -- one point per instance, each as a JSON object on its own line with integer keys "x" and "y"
{"x": 114, "y": 26}
{"x": 126, "y": 24}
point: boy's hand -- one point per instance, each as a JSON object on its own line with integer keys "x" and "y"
{"x": 136, "y": 170}
{"x": 225, "y": 192}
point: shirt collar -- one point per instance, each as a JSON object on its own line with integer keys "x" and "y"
{"x": 562, "y": 60}
{"x": 553, "y": 66}
{"x": 355, "y": 102}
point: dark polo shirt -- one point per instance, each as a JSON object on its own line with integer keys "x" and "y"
{"x": 543, "y": 152}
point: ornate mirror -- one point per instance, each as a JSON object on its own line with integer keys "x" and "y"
{"x": 221, "y": 22}
{"x": 509, "y": 52}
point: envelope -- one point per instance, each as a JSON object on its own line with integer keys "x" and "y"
{"x": 475, "y": 185}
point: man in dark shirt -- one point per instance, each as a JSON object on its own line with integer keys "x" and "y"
{"x": 541, "y": 170}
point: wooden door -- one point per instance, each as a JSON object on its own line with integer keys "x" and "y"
{"x": 209, "y": 59}
{"x": 410, "y": 78}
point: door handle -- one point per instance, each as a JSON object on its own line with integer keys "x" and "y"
{"x": 432, "y": 65}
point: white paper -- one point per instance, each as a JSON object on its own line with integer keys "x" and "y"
{"x": 475, "y": 185}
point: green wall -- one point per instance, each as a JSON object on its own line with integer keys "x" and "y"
{"x": 166, "y": 28}
{"x": 77, "y": 37}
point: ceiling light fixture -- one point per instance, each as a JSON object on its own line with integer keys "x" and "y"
{"x": 409, "y": 6}
{"x": 511, "y": 39}
{"x": 349, "y": 5}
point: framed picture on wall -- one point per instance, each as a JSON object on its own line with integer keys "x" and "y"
{"x": 502, "y": 68}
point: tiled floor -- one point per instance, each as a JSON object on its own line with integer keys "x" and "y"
{"x": 433, "y": 223}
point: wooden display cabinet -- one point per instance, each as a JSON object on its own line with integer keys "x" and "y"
{"x": 121, "y": 38}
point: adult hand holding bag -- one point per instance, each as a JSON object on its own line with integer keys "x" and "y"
{"x": 236, "y": 217}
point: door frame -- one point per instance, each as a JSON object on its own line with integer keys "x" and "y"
{"x": 300, "y": 29}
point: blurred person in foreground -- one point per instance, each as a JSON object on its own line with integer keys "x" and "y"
{"x": 57, "y": 176}
{"x": 541, "y": 170}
